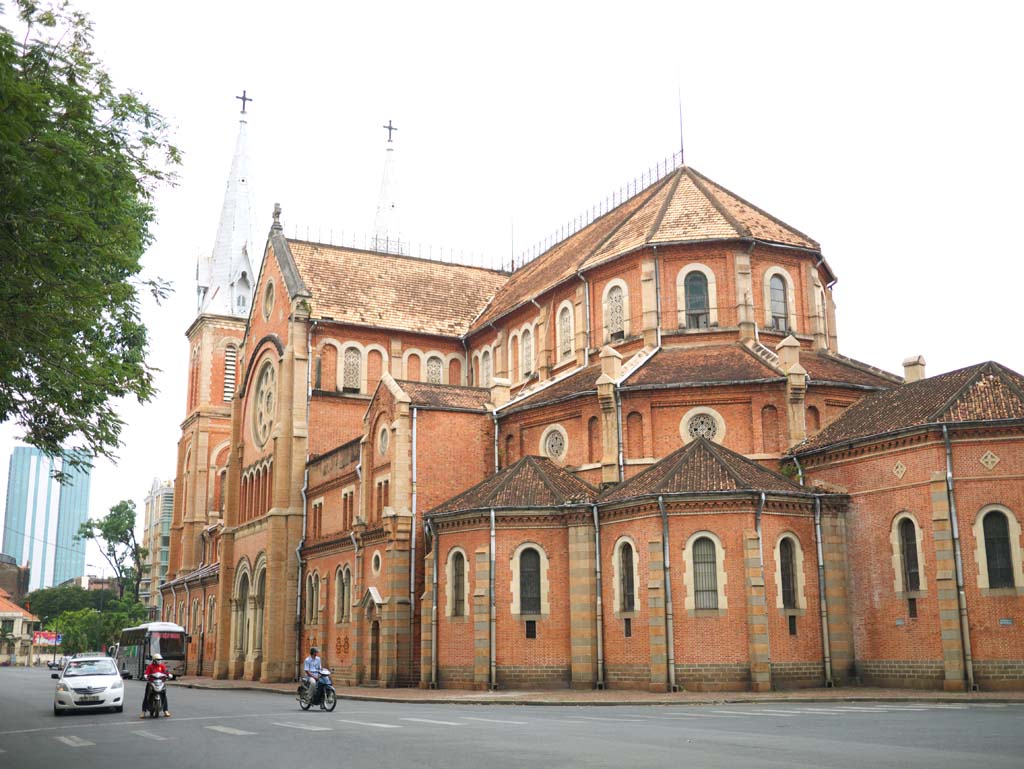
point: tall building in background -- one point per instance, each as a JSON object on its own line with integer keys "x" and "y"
{"x": 156, "y": 538}
{"x": 43, "y": 517}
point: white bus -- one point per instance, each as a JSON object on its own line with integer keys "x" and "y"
{"x": 139, "y": 644}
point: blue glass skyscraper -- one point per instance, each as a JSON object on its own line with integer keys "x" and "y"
{"x": 43, "y": 517}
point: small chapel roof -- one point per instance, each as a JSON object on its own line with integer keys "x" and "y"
{"x": 7, "y": 606}
{"x": 682, "y": 207}
{"x": 982, "y": 392}
{"x": 532, "y": 482}
{"x": 404, "y": 293}
{"x": 445, "y": 397}
{"x": 699, "y": 467}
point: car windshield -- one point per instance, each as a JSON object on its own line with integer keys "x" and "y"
{"x": 97, "y": 667}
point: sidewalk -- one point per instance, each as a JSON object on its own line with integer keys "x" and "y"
{"x": 612, "y": 697}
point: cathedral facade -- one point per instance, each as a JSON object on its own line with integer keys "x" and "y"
{"x": 637, "y": 461}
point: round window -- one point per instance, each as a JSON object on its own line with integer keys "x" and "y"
{"x": 702, "y": 426}
{"x": 376, "y": 563}
{"x": 265, "y": 405}
{"x": 383, "y": 442}
{"x": 554, "y": 444}
{"x": 268, "y": 300}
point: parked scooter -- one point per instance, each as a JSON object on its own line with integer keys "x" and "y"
{"x": 155, "y": 700}
{"x": 307, "y": 691}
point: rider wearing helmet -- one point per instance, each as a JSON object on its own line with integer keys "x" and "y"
{"x": 311, "y": 667}
{"x": 156, "y": 666}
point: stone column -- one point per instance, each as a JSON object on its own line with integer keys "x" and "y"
{"x": 582, "y": 605}
{"x": 840, "y": 629}
{"x": 395, "y": 359}
{"x": 611, "y": 368}
{"x": 946, "y": 589}
{"x": 226, "y": 577}
{"x": 649, "y": 302}
{"x": 542, "y": 343}
{"x": 744, "y": 296}
{"x": 830, "y": 310}
{"x": 582, "y": 325}
{"x": 656, "y": 617}
{"x": 757, "y": 615}
{"x": 481, "y": 619}
{"x": 426, "y": 610}
{"x": 499, "y": 358}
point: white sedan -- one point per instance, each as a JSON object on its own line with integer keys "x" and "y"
{"x": 88, "y": 684}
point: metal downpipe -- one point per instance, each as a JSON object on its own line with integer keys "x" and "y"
{"x": 412, "y": 556}
{"x": 599, "y": 609}
{"x": 670, "y": 639}
{"x": 961, "y": 596}
{"x": 826, "y": 644}
{"x": 435, "y": 544}
{"x": 493, "y": 641}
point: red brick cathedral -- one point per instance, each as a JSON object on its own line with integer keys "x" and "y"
{"x": 638, "y": 460}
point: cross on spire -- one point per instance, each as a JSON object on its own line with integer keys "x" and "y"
{"x": 244, "y": 99}
{"x": 389, "y": 128}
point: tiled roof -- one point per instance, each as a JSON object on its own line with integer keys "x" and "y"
{"x": 7, "y": 606}
{"x": 531, "y": 482}
{"x": 577, "y": 383}
{"x": 446, "y": 396}
{"x": 390, "y": 291}
{"x": 829, "y": 367}
{"x": 700, "y": 466}
{"x": 985, "y": 391}
{"x": 701, "y": 365}
{"x": 683, "y": 207}
{"x": 210, "y": 569}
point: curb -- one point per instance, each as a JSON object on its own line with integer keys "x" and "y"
{"x": 733, "y": 700}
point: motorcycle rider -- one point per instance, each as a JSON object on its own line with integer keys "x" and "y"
{"x": 311, "y": 667}
{"x": 155, "y": 666}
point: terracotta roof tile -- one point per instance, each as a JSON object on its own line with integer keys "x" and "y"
{"x": 532, "y": 482}
{"x": 446, "y": 396}
{"x": 390, "y": 291}
{"x": 700, "y": 365}
{"x": 829, "y": 367}
{"x": 7, "y": 606}
{"x": 203, "y": 572}
{"x": 700, "y": 466}
{"x": 985, "y": 391}
{"x": 575, "y": 384}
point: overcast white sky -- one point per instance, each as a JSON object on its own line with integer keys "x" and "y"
{"x": 890, "y": 132}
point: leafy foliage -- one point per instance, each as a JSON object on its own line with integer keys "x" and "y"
{"x": 79, "y": 162}
{"x": 51, "y": 602}
{"x": 115, "y": 535}
{"x": 91, "y": 629}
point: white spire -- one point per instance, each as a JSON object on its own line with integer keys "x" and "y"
{"x": 386, "y": 233}
{"x": 225, "y": 277}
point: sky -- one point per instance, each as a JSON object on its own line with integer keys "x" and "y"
{"x": 889, "y": 132}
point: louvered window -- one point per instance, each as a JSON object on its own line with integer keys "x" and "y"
{"x": 230, "y": 368}
{"x": 787, "y": 567}
{"x": 779, "y": 303}
{"x": 529, "y": 582}
{"x": 696, "y": 288}
{"x": 908, "y": 553}
{"x": 435, "y": 367}
{"x": 997, "y": 550}
{"x": 705, "y": 574}
{"x": 458, "y": 585}
{"x": 527, "y": 353}
{"x": 614, "y": 309}
{"x": 626, "y": 588}
{"x": 352, "y": 373}
{"x": 565, "y": 332}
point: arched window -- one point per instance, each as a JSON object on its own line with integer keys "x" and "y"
{"x": 459, "y": 585}
{"x": 527, "y": 352}
{"x": 908, "y": 555}
{"x": 210, "y": 615}
{"x": 346, "y": 594}
{"x": 626, "y": 581}
{"x": 510, "y": 447}
{"x": 635, "y": 435}
{"x": 614, "y": 319}
{"x": 813, "y": 420}
{"x": 697, "y": 305}
{"x": 594, "y": 440}
{"x": 529, "y": 581}
{"x": 705, "y": 573}
{"x": 230, "y": 369}
{"x": 352, "y": 374}
{"x": 787, "y": 566}
{"x": 997, "y": 550}
{"x": 435, "y": 370}
{"x": 770, "y": 428}
{"x": 779, "y": 303}
{"x": 485, "y": 369}
{"x": 339, "y": 596}
{"x": 565, "y": 332}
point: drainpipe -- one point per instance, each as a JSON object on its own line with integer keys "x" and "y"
{"x": 600, "y": 600}
{"x": 188, "y": 620}
{"x": 493, "y": 612}
{"x": 618, "y": 424}
{"x": 760, "y": 561}
{"x": 435, "y": 545}
{"x": 826, "y": 644}
{"x": 799, "y": 471}
{"x": 961, "y": 597}
{"x": 412, "y": 555}
{"x": 494, "y": 416}
{"x": 669, "y": 623}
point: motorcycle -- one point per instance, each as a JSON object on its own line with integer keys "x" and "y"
{"x": 155, "y": 702}
{"x": 307, "y": 691}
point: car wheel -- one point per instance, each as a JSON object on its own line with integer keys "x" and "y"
{"x": 57, "y": 711}
{"x": 119, "y": 709}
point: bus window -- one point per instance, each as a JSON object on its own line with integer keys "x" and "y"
{"x": 170, "y": 644}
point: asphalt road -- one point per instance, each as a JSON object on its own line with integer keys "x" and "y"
{"x": 231, "y": 730}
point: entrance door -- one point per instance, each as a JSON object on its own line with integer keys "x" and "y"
{"x": 375, "y": 651}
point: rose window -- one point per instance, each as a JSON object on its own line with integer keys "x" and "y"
{"x": 266, "y": 404}
{"x": 554, "y": 444}
{"x": 702, "y": 426}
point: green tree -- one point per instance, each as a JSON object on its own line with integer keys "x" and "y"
{"x": 92, "y": 630}
{"x": 115, "y": 535}
{"x": 48, "y": 603}
{"x": 79, "y": 162}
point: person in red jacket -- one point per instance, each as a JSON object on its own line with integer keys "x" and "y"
{"x": 156, "y": 666}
